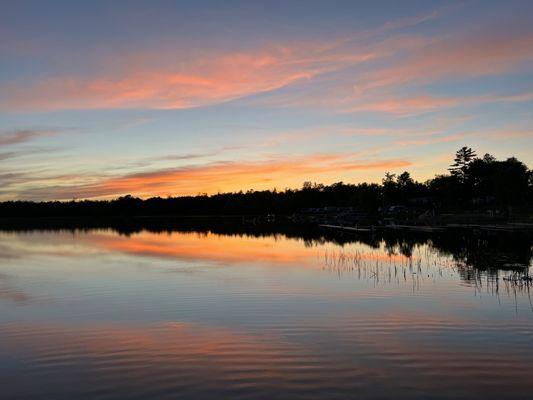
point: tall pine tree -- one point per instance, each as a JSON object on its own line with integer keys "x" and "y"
{"x": 463, "y": 157}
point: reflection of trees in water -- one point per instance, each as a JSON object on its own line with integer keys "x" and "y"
{"x": 477, "y": 255}
{"x": 488, "y": 252}
{"x": 494, "y": 263}
{"x": 424, "y": 264}
{"x": 496, "y": 281}
{"x": 499, "y": 251}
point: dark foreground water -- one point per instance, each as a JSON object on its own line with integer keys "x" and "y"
{"x": 99, "y": 315}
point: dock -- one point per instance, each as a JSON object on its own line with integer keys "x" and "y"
{"x": 348, "y": 228}
{"x": 415, "y": 228}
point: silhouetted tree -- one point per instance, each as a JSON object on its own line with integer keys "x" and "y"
{"x": 388, "y": 184}
{"x": 488, "y": 158}
{"x": 463, "y": 157}
{"x": 405, "y": 180}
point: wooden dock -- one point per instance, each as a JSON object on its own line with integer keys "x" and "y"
{"x": 348, "y": 228}
{"x": 415, "y": 228}
{"x": 367, "y": 229}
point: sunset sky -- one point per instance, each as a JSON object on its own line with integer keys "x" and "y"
{"x": 104, "y": 98}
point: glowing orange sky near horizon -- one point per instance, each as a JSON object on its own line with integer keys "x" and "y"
{"x": 228, "y": 177}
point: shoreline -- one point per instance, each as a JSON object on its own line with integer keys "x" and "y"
{"x": 171, "y": 222}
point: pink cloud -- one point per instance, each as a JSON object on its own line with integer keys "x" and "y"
{"x": 185, "y": 81}
{"x": 490, "y": 52}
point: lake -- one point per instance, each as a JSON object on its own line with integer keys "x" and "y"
{"x": 171, "y": 314}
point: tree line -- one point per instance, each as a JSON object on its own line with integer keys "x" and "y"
{"x": 471, "y": 182}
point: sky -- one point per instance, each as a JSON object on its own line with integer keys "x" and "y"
{"x": 166, "y": 98}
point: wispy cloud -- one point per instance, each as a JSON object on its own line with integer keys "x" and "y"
{"x": 217, "y": 176}
{"x": 405, "y": 106}
{"x": 426, "y": 103}
{"x": 198, "y": 81}
{"x": 185, "y": 157}
{"x": 22, "y": 136}
{"x": 8, "y": 154}
{"x": 415, "y": 62}
{"x": 488, "y": 52}
{"x": 9, "y": 179}
{"x": 432, "y": 140}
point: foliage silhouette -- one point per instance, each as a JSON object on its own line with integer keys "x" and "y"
{"x": 474, "y": 183}
{"x": 460, "y": 167}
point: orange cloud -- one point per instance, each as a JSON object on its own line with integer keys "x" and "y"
{"x": 219, "y": 176}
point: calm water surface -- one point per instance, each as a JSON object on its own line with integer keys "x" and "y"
{"x": 98, "y": 315}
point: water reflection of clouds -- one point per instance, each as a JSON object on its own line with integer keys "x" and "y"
{"x": 209, "y": 247}
{"x": 368, "y": 355}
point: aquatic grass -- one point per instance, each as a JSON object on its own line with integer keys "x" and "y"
{"x": 425, "y": 264}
